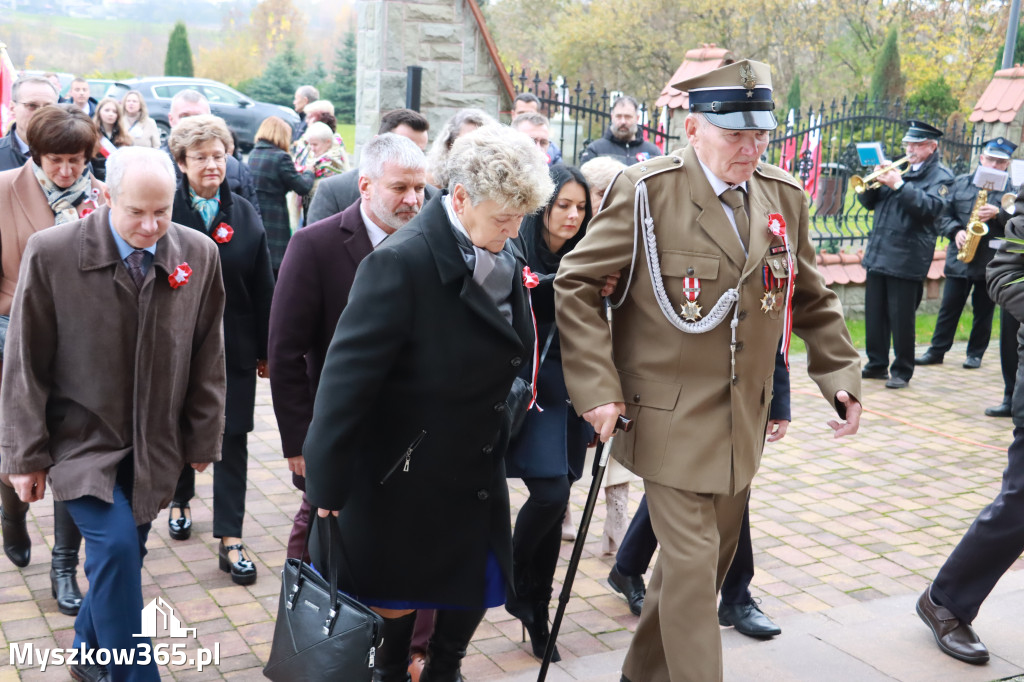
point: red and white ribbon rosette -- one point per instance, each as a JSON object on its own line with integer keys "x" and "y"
{"x": 777, "y": 226}
{"x": 223, "y": 233}
{"x": 180, "y": 276}
{"x": 530, "y": 281}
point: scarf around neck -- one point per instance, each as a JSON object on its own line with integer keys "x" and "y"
{"x": 63, "y": 200}
{"x": 208, "y": 208}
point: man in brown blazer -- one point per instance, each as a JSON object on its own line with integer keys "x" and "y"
{"x": 113, "y": 380}
{"x": 706, "y": 300}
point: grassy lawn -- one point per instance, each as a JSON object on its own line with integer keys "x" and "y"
{"x": 348, "y": 133}
{"x": 925, "y": 326}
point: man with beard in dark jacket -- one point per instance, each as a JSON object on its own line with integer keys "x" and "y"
{"x": 28, "y": 95}
{"x": 620, "y": 141}
{"x": 899, "y": 252}
{"x": 962, "y": 276}
{"x": 996, "y": 538}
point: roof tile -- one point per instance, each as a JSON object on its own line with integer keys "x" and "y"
{"x": 1003, "y": 97}
{"x": 695, "y": 62}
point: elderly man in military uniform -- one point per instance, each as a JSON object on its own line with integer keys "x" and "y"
{"x": 965, "y": 276}
{"x": 899, "y": 252}
{"x": 709, "y": 293}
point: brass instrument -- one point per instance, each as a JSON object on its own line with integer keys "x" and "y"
{"x": 860, "y": 185}
{"x": 1008, "y": 200}
{"x": 975, "y": 230}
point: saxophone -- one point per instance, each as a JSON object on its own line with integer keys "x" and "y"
{"x": 975, "y": 230}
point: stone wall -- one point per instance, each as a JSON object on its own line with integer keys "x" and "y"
{"x": 444, "y": 38}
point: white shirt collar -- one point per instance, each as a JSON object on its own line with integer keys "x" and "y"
{"x": 717, "y": 184}
{"x": 374, "y": 231}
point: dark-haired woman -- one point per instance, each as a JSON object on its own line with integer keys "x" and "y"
{"x": 549, "y": 451}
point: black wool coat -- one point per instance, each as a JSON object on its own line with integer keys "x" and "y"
{"x": 249, "y": 289}
{"x": 410, "y": 423}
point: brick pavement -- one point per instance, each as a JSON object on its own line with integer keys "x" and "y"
{"x": 846, "y": 532}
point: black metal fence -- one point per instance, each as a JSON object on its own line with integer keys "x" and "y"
{"x": 578, "y": 116}
{"x": 820, "y": 149}
{"x": 819, "y": 145}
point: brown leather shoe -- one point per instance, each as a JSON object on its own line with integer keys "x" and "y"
{"x": 953, "y": 636}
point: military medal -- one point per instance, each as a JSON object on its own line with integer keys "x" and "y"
{"x": 690, "y": 309}
{"x": 772, "y": 289}
{"x": 777, "y": 226}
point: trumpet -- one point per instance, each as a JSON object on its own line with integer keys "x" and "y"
{"x": 860, "y": 185}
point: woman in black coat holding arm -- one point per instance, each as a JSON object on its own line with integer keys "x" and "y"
{"x": 411, "y": 424}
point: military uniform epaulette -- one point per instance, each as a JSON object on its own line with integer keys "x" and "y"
{"x": 646, "y": 169}
{"x": 770, "y": 172}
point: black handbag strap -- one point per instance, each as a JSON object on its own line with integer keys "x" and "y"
{"x": 335, "y": 550}
{"x": 547, "y": 345}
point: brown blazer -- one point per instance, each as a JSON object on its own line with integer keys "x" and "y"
{"x": 96, "y": 370}
{"x": 24, "y": 212}
{"x": 695, "y": 429}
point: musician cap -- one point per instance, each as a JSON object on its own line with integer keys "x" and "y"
{"x": 736, "y": 96}
{"x": 919, "y": 131}
{"x": 999, "y": 148}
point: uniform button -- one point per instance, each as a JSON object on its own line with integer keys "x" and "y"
{"x": 482, "y": 494}
{"x": 487, "y": 449}
{"x": 515, "y": 362}
{"x": 742, "y": 315}
{"x": 735, "y": 380}
{"x": 739, "y": 345}
{"x": 676, "y": 160}
{"x": 689, "y": 271}
{"x": 500, "y": 407}
{"x": 636, "y": 397}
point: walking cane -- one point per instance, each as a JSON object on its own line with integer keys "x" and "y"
{"x": 600, "y": 462}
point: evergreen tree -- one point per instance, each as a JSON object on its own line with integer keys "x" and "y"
{"x": 279, "y": 80}
{"x": 935, "y": 98}
{"x": 317, "y": 75}
{"x": 178, "y": 61}
{"x": 342, "y": 87}
{"x": 793, "y": 96}
{"x": 887, "y": 80}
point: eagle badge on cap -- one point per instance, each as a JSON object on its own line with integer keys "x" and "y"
{"x": 748, "y": 79}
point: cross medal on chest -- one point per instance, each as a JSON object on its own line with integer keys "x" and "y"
{"x": 690, "y": 309}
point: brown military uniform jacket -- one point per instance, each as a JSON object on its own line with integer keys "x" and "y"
{"x": 696, "y": 428}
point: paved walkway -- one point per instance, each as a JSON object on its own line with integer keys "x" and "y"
{"x": 846, "y": 533}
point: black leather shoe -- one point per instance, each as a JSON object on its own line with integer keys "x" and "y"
{"x": 953, "y": 636}
{"x": 180, "y": 528}
{"x": 930, "y": 357}
{"x": 243, "y": 571}
{"x": 748, "y": 619}
{"x": 897, "y": 382}
{"x": 67, "y": 541}
{"x": 631, "y": 587}
{"x": 13, "y": 526}
{"x": 88, "y": 673}
{"x": 972, "y": 362}
{"x": 874, "y": 373}
{"x": 1002, "y": 410}
{"x": 64, "y": 588}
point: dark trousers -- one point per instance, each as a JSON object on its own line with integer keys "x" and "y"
{"x": 954, "y": 297}
{"x": 229, "y": 483}
{"x": 111, "y": 610}
{"x": 638, "y": 545}
{"x": 989, "y": 547}
{"x": 1008, "y": 357}
{"x": 890, "y": 306}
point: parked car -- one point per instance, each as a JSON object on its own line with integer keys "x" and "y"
{"x": 242, "y": 114}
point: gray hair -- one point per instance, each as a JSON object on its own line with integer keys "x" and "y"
{"x": 189, "y": 95}
{"x": 600, "y": 172}
{"x": 309, "y": 92}
{"x": 438, "y": 156}
{"x": 321, "y": 131}
{"x": 38, "y": 80}
{"x": 125, "y": 158}
{"x": 532, "y": 119}
{"x": 390, "y": 148}
{"x": 498, "y": 163}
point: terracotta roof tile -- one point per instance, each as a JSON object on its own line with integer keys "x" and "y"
{"x": 1003, "y": 97}
{"x": 695, "y": 62}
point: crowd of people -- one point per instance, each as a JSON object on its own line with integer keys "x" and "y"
{"x": 394, "y": 306}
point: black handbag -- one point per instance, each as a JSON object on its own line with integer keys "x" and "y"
{"x": 521, "y": 393}
{"x": 321, "y": 634}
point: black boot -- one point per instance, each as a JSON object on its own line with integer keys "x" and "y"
{"x": 392, "y": 658}
{"x": 539, "y": 630}
{"x": 67, "y": 540}
{"x": 17, "y": 543}
{"x": 517, "y": 599}
{"x": 452, "y": 632}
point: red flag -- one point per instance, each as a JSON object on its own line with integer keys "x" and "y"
{"x": 808, "y": 164}
{"x": 788, "y": 158}
{"x": 7, "y": 76}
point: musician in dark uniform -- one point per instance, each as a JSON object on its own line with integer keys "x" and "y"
{"x": 899, "y": 252}
{"x": 965, "y": 279}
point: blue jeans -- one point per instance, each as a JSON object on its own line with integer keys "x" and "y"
{"x": 111, "y": 611}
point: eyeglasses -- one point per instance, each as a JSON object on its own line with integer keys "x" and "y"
{"x": 217, "y": 159}
{"x": 541, "y": 142}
